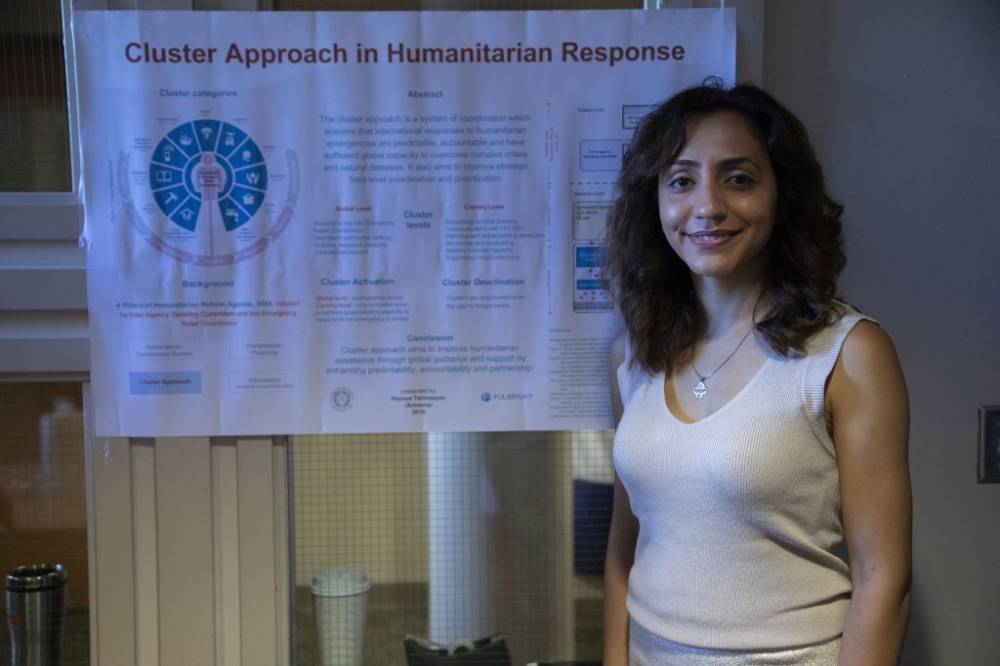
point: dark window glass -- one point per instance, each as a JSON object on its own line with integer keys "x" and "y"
{"x": 34, "y": 134}
{"x": 43, "y": 505}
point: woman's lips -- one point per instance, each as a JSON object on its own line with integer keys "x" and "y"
{"x": 710, "y": 239}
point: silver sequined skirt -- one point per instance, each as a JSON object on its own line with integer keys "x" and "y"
{"x": 648, "y": 649}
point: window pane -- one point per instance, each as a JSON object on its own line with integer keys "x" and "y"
{"x": 451, "y": 536}
{"x": 34, "y": 136}
{"x": 43, "y": 507}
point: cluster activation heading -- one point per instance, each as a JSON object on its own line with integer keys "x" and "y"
{"x": 400, "y": 53}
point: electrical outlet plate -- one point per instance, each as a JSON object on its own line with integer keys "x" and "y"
{"x": 989, "y": 444}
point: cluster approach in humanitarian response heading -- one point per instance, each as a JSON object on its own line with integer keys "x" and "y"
{"x": 249, "y": 57}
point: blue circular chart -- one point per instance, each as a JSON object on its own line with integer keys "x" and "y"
{"x": 206, "y": 165}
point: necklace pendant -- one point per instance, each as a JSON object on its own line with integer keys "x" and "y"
{"x": 699, "y": 389}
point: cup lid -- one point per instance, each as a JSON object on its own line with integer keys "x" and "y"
{"x": 340, "y": 582}
{"x": 35, "y": 577}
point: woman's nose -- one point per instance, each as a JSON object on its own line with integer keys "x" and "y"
{"x": 709, "y": 203}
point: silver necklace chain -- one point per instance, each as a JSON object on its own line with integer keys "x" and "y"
{"x": 700, "y": 389}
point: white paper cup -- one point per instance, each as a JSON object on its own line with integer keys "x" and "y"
{"x": 340, "y": 599}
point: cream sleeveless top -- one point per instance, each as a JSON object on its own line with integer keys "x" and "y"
{"x": 739, "y": 512}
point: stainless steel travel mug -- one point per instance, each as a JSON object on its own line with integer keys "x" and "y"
{"x": 36, "y": 598}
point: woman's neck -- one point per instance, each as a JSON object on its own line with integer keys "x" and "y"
{"x": 727, "y": 305}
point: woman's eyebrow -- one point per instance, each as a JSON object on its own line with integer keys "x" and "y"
{"x": 727, "y": 163}
{"x": 731, "y": 162}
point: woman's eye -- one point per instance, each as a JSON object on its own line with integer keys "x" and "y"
{"x": 679, "y": 182}
{"x": 741, "y": 180}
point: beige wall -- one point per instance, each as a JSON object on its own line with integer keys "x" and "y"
{"x": 901, "y": 96}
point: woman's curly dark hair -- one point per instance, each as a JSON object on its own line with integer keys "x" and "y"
{"x": 651, "y": 284}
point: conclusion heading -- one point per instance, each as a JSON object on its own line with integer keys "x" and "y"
{"x": 400, "y": 53}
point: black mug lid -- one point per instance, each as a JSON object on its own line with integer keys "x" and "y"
{"x": 35, "y": 577}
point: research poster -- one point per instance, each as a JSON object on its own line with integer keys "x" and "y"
{"x": 362, "y": 222}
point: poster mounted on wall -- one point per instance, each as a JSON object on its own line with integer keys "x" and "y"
{"x": 362, "y": 222}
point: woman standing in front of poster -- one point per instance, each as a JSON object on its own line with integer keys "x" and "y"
{"x": 762, "y": 422}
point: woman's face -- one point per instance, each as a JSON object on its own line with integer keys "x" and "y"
{"x": 717, "y": 200}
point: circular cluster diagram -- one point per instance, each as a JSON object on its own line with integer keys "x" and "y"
{"x": 212, "y": 163}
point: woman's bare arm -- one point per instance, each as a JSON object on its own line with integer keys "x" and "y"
{"x": 868, "y": 408}
{"x": 621, "y": 545}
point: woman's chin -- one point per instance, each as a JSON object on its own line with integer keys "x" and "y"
{"x": 724, "y": 273}
{"x": 710, "y": 270}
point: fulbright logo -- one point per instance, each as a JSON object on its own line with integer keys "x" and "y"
{"x": 493, "y": 397}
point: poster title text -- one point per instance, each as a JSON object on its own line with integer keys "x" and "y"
{"x": 400, "y": 53}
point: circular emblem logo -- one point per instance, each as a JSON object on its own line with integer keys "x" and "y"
{"x": 212, "y": 195}
{"x": 341, "y": 398}
{"x": 208, "y": 169}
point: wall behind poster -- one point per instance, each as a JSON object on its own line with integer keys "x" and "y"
{"x": 909, "y": 144}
